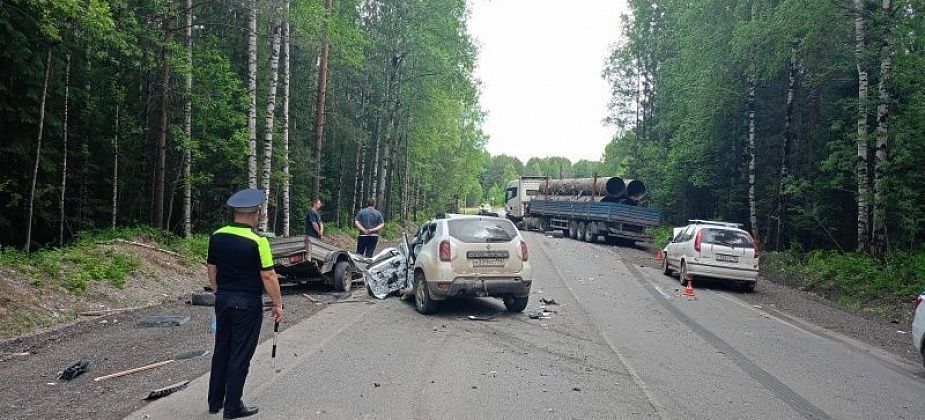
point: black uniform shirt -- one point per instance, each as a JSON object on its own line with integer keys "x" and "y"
{"x": 239, "y": 255}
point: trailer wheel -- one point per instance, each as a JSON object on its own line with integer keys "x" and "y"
{"x": 544, "y": 224}
{"x": 343, "y": 276}
{"x": 573, "y": 230}
{"x": 581, "y": 231}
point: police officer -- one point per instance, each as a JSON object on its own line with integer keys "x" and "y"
{"x": 240, "y": 269}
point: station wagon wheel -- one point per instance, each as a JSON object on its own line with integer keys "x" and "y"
{"x": 666, "y": 270}
{"x": 682, "y": 274}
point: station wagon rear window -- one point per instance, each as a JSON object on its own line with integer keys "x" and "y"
{"x": 480, "y": 231}
{"x": 732, "y": 238}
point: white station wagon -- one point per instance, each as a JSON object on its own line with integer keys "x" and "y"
{"x": 717, "y": 250}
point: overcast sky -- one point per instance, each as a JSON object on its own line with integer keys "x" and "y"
{"x": 540, "y": 64}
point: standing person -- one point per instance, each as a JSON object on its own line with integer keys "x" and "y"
{"x": 240, "y": 269}
{"x": 369, "y": 221}
{"x": 314, "y": 227}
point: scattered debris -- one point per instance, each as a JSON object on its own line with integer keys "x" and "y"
{"x": 202, "y": 299}
{"x": 310, "y": 298}
{"x": 162, "y": 321}
{"x": 349, "y": 301}
{"x": 167, "y": 390}
{"x": 376, "y": 384}
{"x": 386, "y": 272}
{"x": 901, "y": 332}
{"x": 484, "y": 317}
{"x": 74, "y": 370}
{"x": 103, "y": 312}
{"x": 549, "y": 301}
{"x": 576, "y": 389}
{"x": 493, "y": 373}
{"x": 543, "y": 314}
{"x": 474, "y": 387}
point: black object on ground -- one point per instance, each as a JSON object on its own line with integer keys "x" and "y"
{"x": 167, "y": 390}
{"x": 162, "y": 321}
{"x": 75, "y": 370}
{"x": 203, "y": 299}
{"x": 549, "y": 301}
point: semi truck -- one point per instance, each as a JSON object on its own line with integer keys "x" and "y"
{"x": 587, "y": 209}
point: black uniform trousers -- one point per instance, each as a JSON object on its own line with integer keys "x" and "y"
{"x": 238, "y": 321}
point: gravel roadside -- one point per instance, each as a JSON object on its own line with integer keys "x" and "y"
{"x": 114, "y": 343}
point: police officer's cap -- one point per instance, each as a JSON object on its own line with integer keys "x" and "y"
{"x": 247, "y": 201}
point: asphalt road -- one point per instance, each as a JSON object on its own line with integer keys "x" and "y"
{"x": 623, "y": 343}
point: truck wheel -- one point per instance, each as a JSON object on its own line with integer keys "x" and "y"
{"x": 544, "y": 224}
{"x": 572, "y": 230}
{"x": 516, "y": 304}
{"x": 590, "y": 236}
{"x": 422, "y": 302}
{"x": 581, "y": 231}
{"x": 343, "y": 276}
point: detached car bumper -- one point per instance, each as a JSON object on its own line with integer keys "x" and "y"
{"x": 722, "y": 272}
{"x": 479, "y": 286}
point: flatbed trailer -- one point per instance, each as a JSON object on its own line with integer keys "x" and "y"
{"x": 304, "y": 259}
{"x": 590, "y": 220}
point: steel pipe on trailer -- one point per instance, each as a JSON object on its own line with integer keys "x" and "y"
{"x": 577, "y": 187}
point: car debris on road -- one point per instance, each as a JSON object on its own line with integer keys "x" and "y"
{"x": 73, "y": 371}
{"x": 167, "y": 390}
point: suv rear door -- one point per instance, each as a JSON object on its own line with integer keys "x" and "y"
{"x": 484, "y": 245}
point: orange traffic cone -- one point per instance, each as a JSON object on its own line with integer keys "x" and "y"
{"x": 660, "y": 255}
{"x": 689, "y": 290}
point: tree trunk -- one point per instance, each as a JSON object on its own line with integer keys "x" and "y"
{"x": 38, "y": 150}
{"x": 752, "y": 205}
{"x": 862, "y": 141}
{"x": 67, "y": 94}
{"x": 268, "y": 124}
{"x": 879, "y": 245}
{"x": 319, "y": 108}
{"x": 115, "y": 171}
{"x": 284, "y": 122}
{"x": 783, "y": 174}
{"x": 252, "y": 94}
{"x": 188, "y": 127}
{"x": 161, "y": 171}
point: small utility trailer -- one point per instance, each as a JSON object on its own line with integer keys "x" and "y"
{"x": 304, "y": 259}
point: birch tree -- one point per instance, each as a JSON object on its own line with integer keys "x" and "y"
{"x": 883, "y": 117}
{"x": 188, "y": 126}
{"x": 322, "y": 93}
{"x": 252, "y": 93}
{"x": 268, "y": 127}
{"x": 863, "y": 177}
{"x": 38, "y": 151}
{"x": 63, "y": 190}
{"x": 284, "y": 120}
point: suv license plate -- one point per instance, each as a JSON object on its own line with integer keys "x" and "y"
{"x": 727, "y": 258}
{"x": 488, "y": 262}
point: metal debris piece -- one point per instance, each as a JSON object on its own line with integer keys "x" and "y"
{"x": 162, "y": 321}
{"x": 549, "y": 301}
{"x": 74, "y": 370}
{"x": 167, "y": 390}
{"x": 203, "y": 299}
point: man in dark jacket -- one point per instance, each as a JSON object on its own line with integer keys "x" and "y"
{"x": 314, "y": 227}
{"x": 369, "y": 221}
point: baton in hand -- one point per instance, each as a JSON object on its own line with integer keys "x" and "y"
{"x": 273, "y": 354}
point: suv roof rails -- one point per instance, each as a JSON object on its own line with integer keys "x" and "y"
{"x": 716, "y": 223}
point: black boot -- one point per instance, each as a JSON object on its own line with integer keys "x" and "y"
{"x": 245, "y": 411}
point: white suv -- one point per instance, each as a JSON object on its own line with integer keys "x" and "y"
{"x": 717, "y": 250}
{"x": 462, "y": 256}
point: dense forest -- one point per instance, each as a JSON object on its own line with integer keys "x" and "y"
{"x": 131, "y": 112}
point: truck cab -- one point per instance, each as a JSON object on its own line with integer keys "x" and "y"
{"x": 518, "y": 194}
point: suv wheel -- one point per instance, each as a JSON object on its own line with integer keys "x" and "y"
{"x": 516, "y": 304}
{"x": 422, "y": 301}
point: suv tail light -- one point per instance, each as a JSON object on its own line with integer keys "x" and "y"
{"x": 697, "y": 240}
{"x": 524, "y": 254}
{"x": 445, "y": 250}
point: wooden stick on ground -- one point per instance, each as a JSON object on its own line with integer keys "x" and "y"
{"x": 103, "y": 312}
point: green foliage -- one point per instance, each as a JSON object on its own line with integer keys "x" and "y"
{"x": 852, "y": 279}
{"x": 660, "y": 235}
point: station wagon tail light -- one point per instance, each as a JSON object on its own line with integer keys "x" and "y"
{"x": 445, "y": 250}
{"x": 918, "y": 301}
{"x": 697, "y": 240}
{"x": 755, "y": 247}
{"x": 524, "y": 254}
